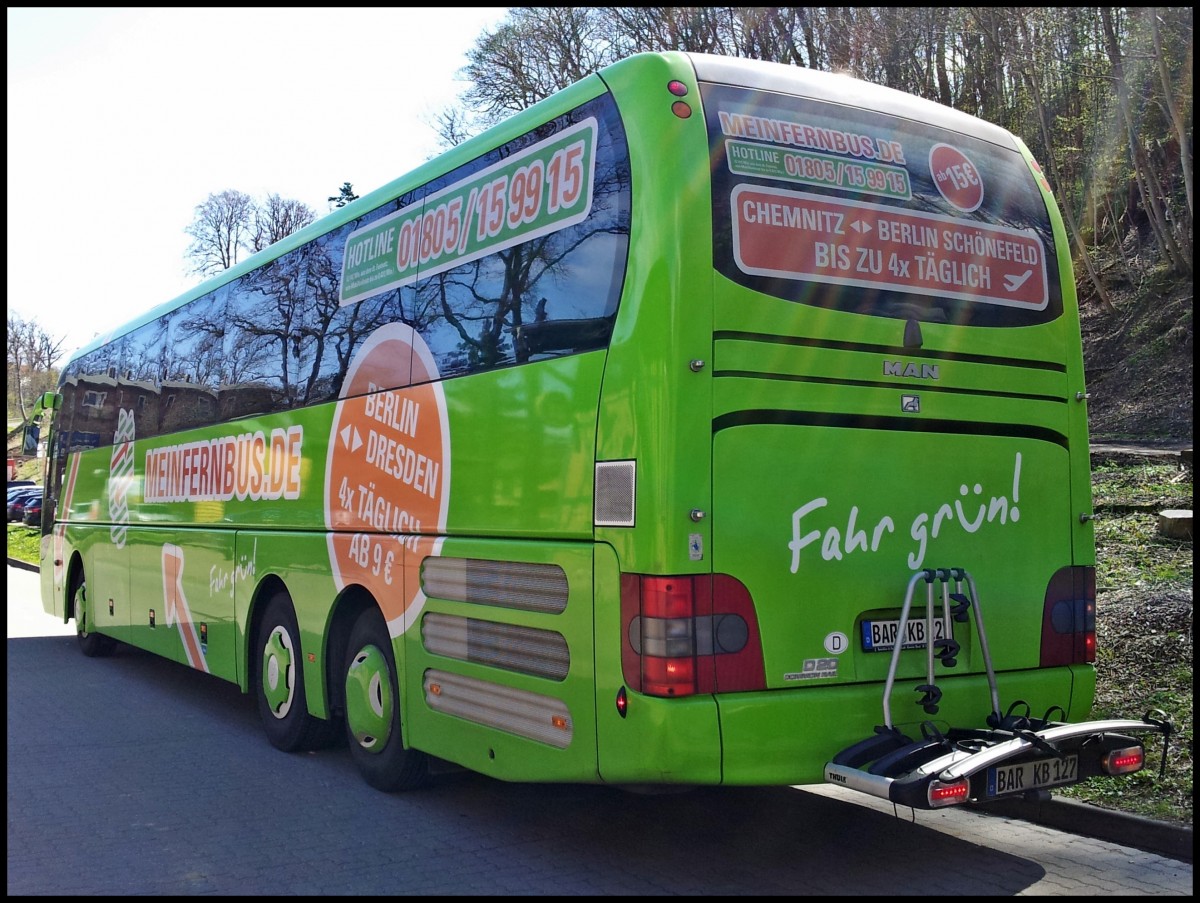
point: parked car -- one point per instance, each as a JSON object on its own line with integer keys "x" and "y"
{"x": 20, "y": 488}
{"x": 16, "y": 506}
{"x": 33, "y": 512}
{"x": 17, "y": 492}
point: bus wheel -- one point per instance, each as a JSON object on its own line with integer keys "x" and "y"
{"x": 279, "y": 682}
{"x": 91, "y": 644}
{"x": 373, "y": 710}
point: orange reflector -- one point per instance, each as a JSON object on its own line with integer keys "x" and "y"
{"x": 948, "y": 794}
{"x": 1124, "y": 761}
{"x": 435, "y": 689}
{"x": 559, "y": 722}
{"x": 681, "y": 109}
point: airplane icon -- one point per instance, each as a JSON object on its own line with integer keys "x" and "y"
{"x": 1012, "y": 283}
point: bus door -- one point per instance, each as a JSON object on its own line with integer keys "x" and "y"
{"x": 183, "y": 582}
{"x": 106, "y": 567}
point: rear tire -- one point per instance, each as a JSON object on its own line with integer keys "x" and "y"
{"x": 373, "y": 710}
{"x": 279, "y": 682}
{"x": 91, "y": 644}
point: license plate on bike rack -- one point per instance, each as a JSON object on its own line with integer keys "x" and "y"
{"x": 1003, "y": 780}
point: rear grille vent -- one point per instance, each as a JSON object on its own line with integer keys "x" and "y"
{"x": 526, "y": 650}
{"x": 523, "y": 585}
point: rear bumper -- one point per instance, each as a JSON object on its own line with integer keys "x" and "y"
{"x": 787, "y": 736}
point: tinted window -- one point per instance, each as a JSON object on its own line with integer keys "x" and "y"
{"x": 840, "y": 207}
{"x": 543, "y": 285}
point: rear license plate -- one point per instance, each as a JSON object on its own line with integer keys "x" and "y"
{"x": 1005, "y": 779}
{"x": 880, "y": 636}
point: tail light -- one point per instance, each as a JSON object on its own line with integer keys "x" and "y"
{"x": 1124, "y": 761}
{"x": 689, "y": 634}
{"x": 944, "y": 794}
{"x": 1069, "y": 618}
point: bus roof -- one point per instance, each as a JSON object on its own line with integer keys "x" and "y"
{"x": 835, "y": 87}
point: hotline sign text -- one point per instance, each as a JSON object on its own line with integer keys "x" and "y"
{"x": 542, "y": 189}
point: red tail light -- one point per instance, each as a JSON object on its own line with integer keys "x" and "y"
{"x": 1124, "y": 761}
{"x": 1069, "y": 618}
{"x": 689, "y": 634}
{"x": 940, "y": 794}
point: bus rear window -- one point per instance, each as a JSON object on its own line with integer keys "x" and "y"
{"x": 857, "y": 210}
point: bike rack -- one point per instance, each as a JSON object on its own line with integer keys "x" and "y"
{"x": 940, "y": 769}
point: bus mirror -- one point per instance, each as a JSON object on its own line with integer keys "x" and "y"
{"x": 29, "y": 444}
{"x": 47, "y": 401}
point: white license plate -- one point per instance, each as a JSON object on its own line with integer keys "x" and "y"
{"x": 1005, "y": 779}
{"x": 880, "y": 636}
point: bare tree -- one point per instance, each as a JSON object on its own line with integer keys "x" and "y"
{"x": 232, "y": 224}
{"x": 277, "y": 218}
{"x": 454, "y": 125}
{"x": 533, "y": 53}
{"x": 32, "y": 355}
{"x": 221, "y": 229}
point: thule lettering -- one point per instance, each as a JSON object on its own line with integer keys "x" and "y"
{"x": 910, "y": 371}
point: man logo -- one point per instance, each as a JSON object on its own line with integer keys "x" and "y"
{"x": 910, "y": 371}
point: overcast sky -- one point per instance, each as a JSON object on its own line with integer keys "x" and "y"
{"x": 122, "y": 121}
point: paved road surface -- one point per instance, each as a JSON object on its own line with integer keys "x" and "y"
{"x": 134, "y": 775}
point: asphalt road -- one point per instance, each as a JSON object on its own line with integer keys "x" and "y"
{"x": 135, "y": 775}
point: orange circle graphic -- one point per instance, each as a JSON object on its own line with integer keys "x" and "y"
{"x": 387, "y": 475}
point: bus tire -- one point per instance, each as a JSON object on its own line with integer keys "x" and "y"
{"x": 279, "y": 681}
{"x": 373, "y": 709}
{"x": 91, "y": 644}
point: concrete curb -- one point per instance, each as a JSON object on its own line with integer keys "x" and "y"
{"x": 23, "y": 565}
{"x": 1165, "y": 452}
{"x": 1136, "y": 831}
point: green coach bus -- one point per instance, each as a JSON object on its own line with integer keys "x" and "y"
{"x": 710, "y": 422}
